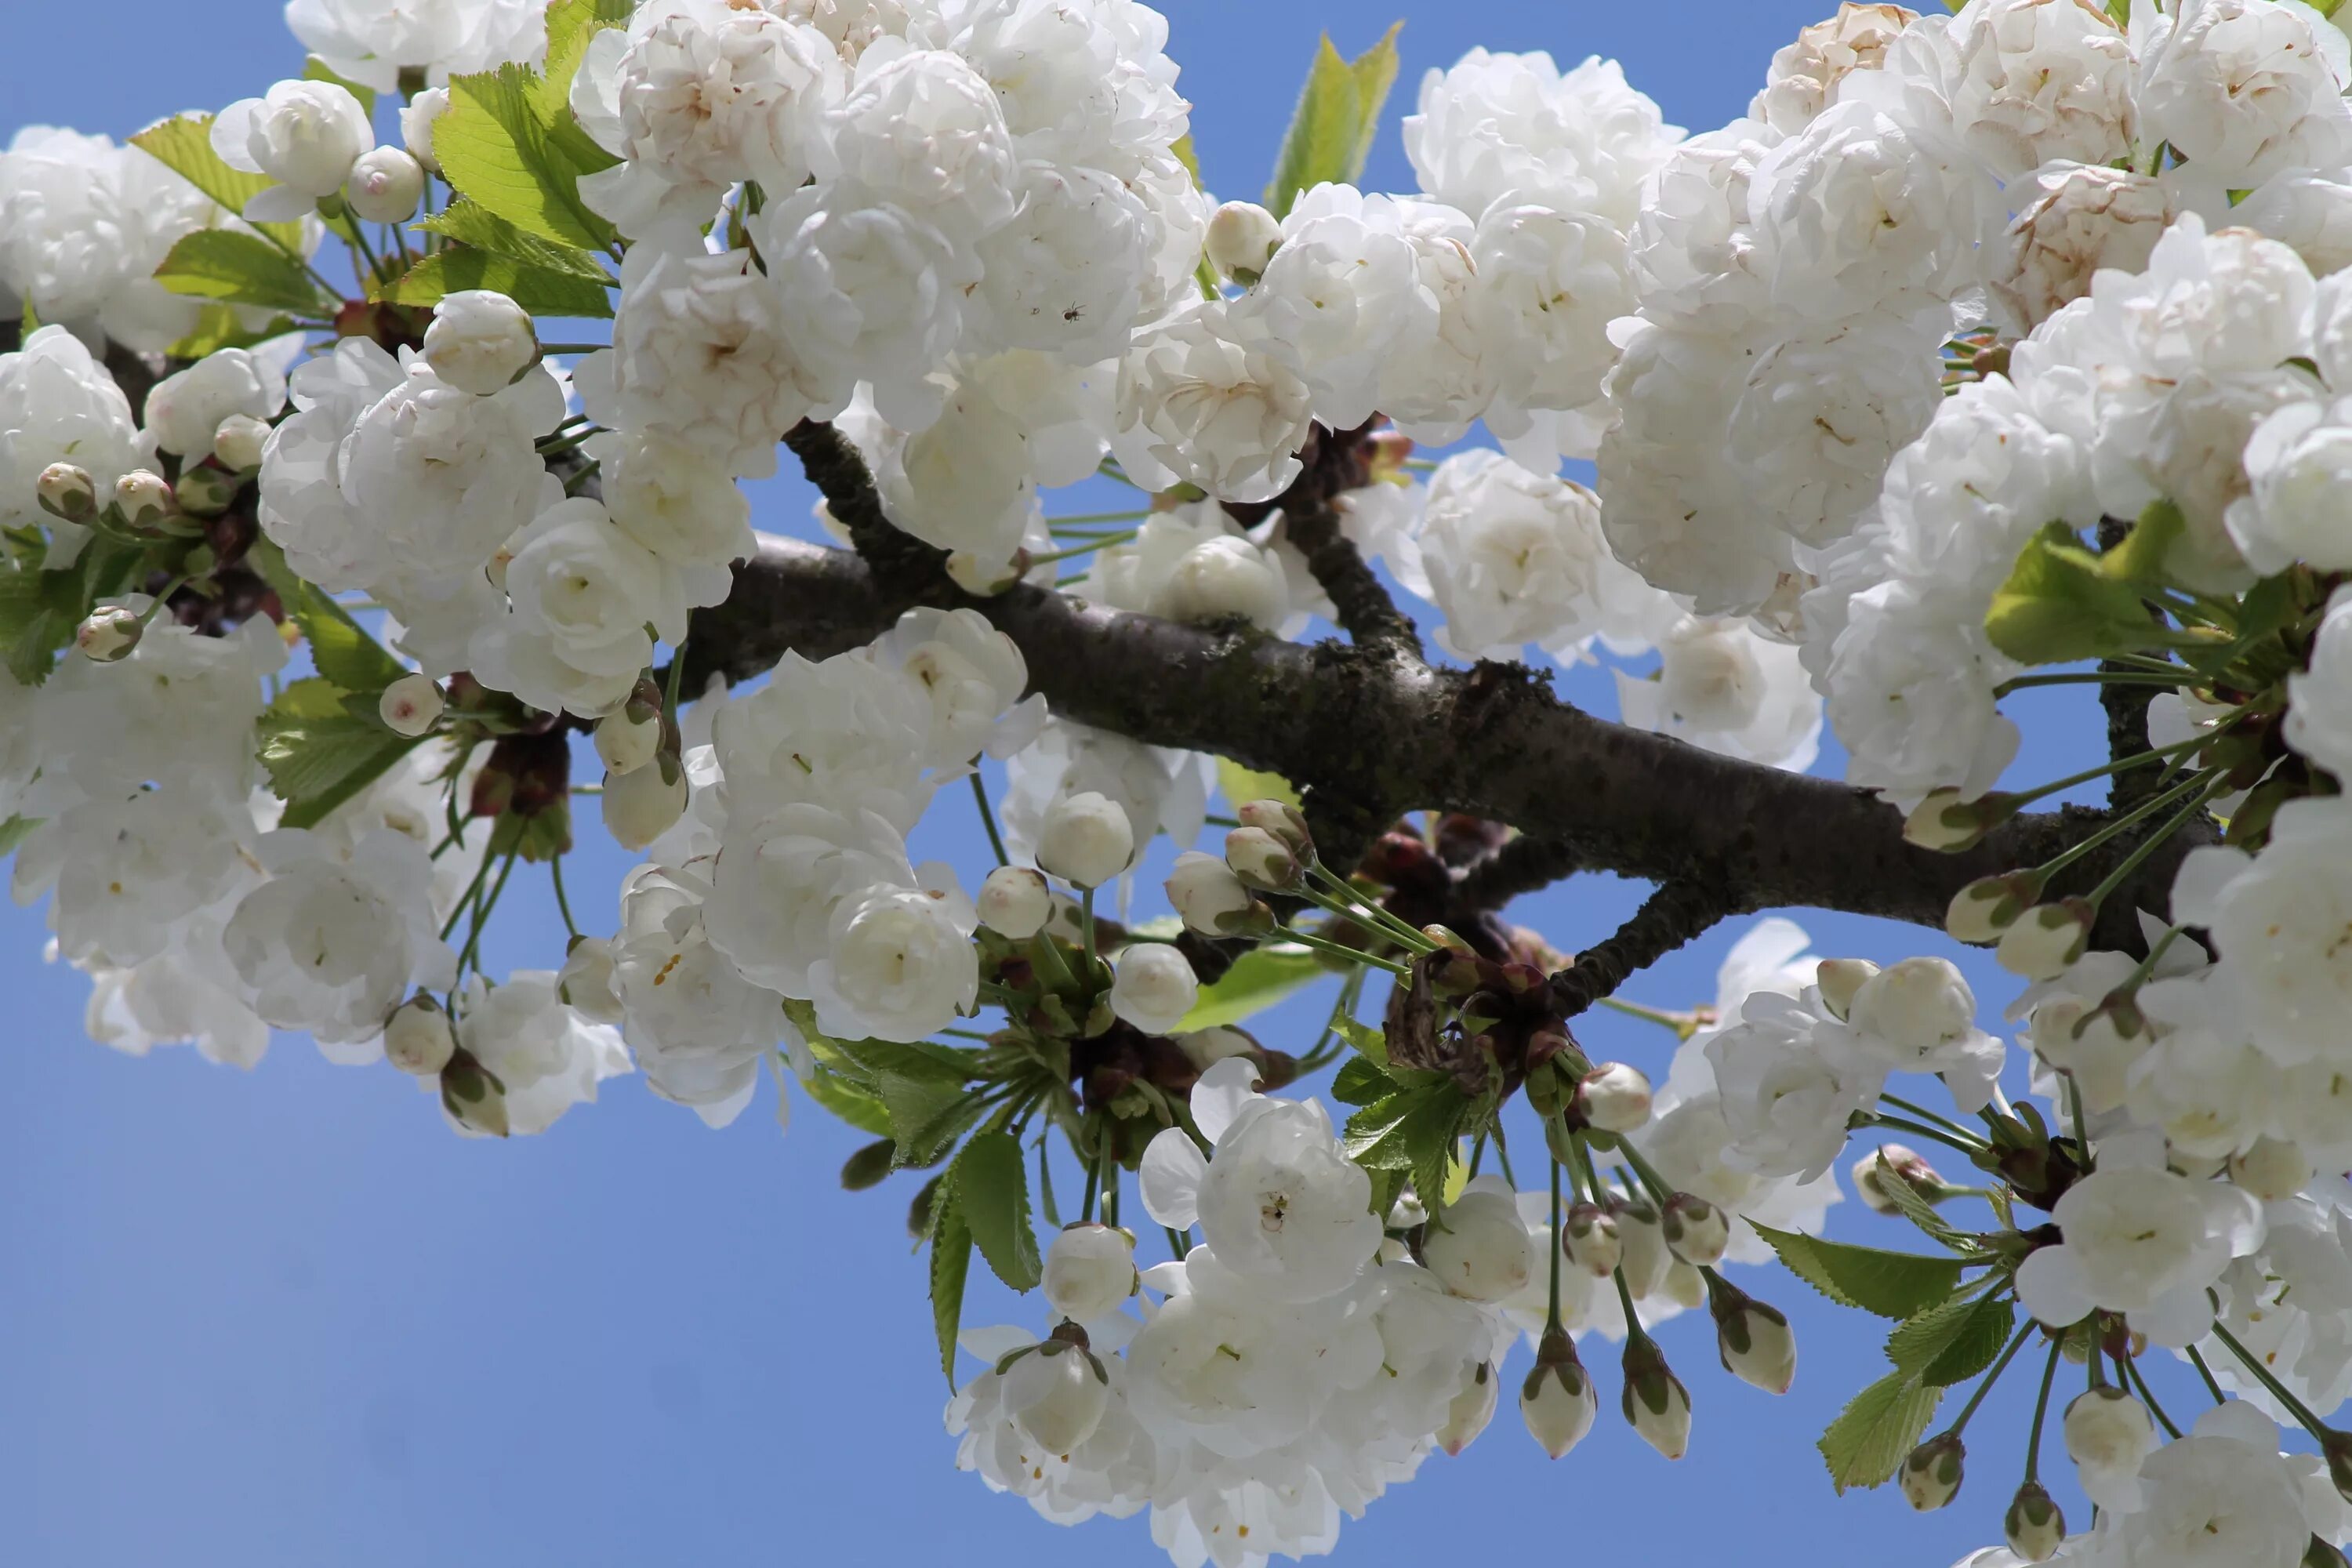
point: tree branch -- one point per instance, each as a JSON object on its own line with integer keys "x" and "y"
{"x": 1353, "y": 725}
{"x": 1521, "y": 866}
{"x": 1366, "y": 612}
{"x": 1676, "y": 914}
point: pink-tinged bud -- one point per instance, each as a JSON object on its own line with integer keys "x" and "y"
{"x": 473, "y": 1095}
{"x": 417, "y": 1038}
{"x": 1089, "y": 1270}
{"x": 1471, "y": 1408}
{"x": 1944, "y": 821}
{"x": 1558, "y": 1401}
{"x": 1086, "y": 839}
{"x": 1211, "y": 900}
{"x": 1282, "y": 819}
{"x": 68, "y": 492}
{"x": 1263, "y": 861}
{"x": 385, "y": 187}
{"x": 1754, "y": 1339}
{"x": 1895, "y": 1162}
{"x": 240, "y": 442}
{"x": 412, "y": 705}
{"x": 625, "y": 743}
{"x": 1015, "y": 902}
{"x": 143, "y": 496}
{"x": 1988, "y": 906}
{"x": 108, "y": 633}
{"x": 1057, "y": 1396}
{"x": 1614, "y": 1097}
{"x": 1588, "y": 1236}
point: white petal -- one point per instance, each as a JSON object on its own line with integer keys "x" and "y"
{"x": 995, "y": 1341}
{"x": 278, "y": 204}
{"x": 1220, "y": 1095}
{"x": 2049, "y": 1283}
{"x": 1170, "y": 1178}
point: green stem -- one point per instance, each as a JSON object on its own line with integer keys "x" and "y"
{"x": 562, "y": 904}
{"x": 2136, "y": 1379}
{"x": 2041, "y": 1410}
{"x": 1969, "y": 1409}
{"x": 1551, "y": 1321}
{"x": 1659, "y": 1187}
{"x": 2212, "y": 1384}
{"x": 988, "y": 818}
{"x": 1924, "y": 1114}
{"x": 1406, "y": 936}
{"x": 1086, "y": 917}
{"x": 2214, "y": 784}
{"x": 156, "y": 607}
{"x": 1088, "y": 547}
{"x": 2279, "y": 1391}
{"x": 2123, "y": 824}
{"x": 676, "y": 678}
{"x": 1502, "y": 1157}
{"x": 2096, "y": 678}
{"x": 1680, "y": 1023}
{"x": 482, "y": 914}
{"x": 1058, "y": 523}
{"x": 572, "y": 348}
{"x": 2202, "y": 738}
{"x": 1921, "y": 1130}
{"x": 466, "y": 898}
{"x": 1340, "y": 950}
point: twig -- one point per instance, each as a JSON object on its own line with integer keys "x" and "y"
{"x": 1676, "y": 914}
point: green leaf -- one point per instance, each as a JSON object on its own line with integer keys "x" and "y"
{"x": 1412, "y": 1131}
{"x": 318, "y": 754}
{"x": 1953, "y": 1341}
{"x": 867, "y": 1167}
{"x": 184, "y": 144}
{"x": 859, "y": 1107}
{"x": 1363, "y": 1038}
{"x": 220, "y": 327}
{"x": 2139, "y": 557}
{"x": 14, "y": 831}
{"x": 1332, "y": 129}
{"x": 950, "y": 1266}
{"x": 1891, "y": 1284}
{"x": 1258, "y": 979}
{"x": 1240, "y": 786}
{"x": 341, "y": 649}
{"x": 316, "y": 69}
{"x": 236, "y": 269}
{"x": 510, "y": 143}
{"x": 1865, "y": 1444}
{"x": 991, "y": 1185}
{"x": 541, "y": 291}
{"x": 40, "y": 610}
{"x": 1361, "y": 1082}
{"x": 1921, "y": 1213}
{"x": 470, "y": 224}
{"x": 2059, "y": 605}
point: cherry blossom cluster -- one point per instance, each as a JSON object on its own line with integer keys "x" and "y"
{"x": 2003, "y": 349}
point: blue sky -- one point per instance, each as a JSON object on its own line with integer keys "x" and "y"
{"x": 284, "y": 1317}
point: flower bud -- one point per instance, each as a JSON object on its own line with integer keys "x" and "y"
{"x": 1211, "y": 899}
{"x": 1014, "y": 902}
{"x": 1478, "y": 1245}
{"x": 481, "y": 341}
{"x": 1086, "y": 839}
{"x": 1685, "y": 1285}
{"x": 1243, "y": 238}
{"x": 2047, "y": 940}
{"x": 411, "y": 705}
{"x": 1946, "y": 822}
{"x": 144, "y": 497}
{"x": 1467, "y": 1414}
{"x": 1654, "y": 1400}
{"x": 2109, "y": 1432}
{"x": 473, "y": 1095}
{"x": 205, "y": 491}
{"x": 1588, "y": 1236}
{"x": 109, "y": 632}
{"x": 1696, "y": 1229}
{"x": 1263, "y": 861}
{"x": 1645, "y": 1258}
{"x": 2035, "y": 1525}
{"x": 417, "y": 1038}
{"x": 2336, "y": 1448}
{"x": 639, "y": 807}
{"x": 586, "y": 982}
{"x": 1558, "y": 1401}
{"x": 1284, "y": 821}
{"x": 1614, "y": 1097}
{"x": 417, "y": 117}
{"x": 239, "y": 441}
{"x": 2321, "y": 1553}
{"x": 68, "y": 492}
{"x": 626, "y": 745}
{"x": 1931, "y": 1475}
{"x": 1839, "y": 979}
{"x": 1057, "y": 1396}
{"x": 1754, "y": 1341}
{"x": 1089, "y": 1270}
{"x": 2271, "y": 1170}
{"x": 384, "y": 186}
{"x": 1892, "y": 1162}
{"x": 1152, "y": 986}
{"x": 1988, "y": 906}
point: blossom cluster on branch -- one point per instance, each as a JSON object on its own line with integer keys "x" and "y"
{"x": 1991, "y": 351}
